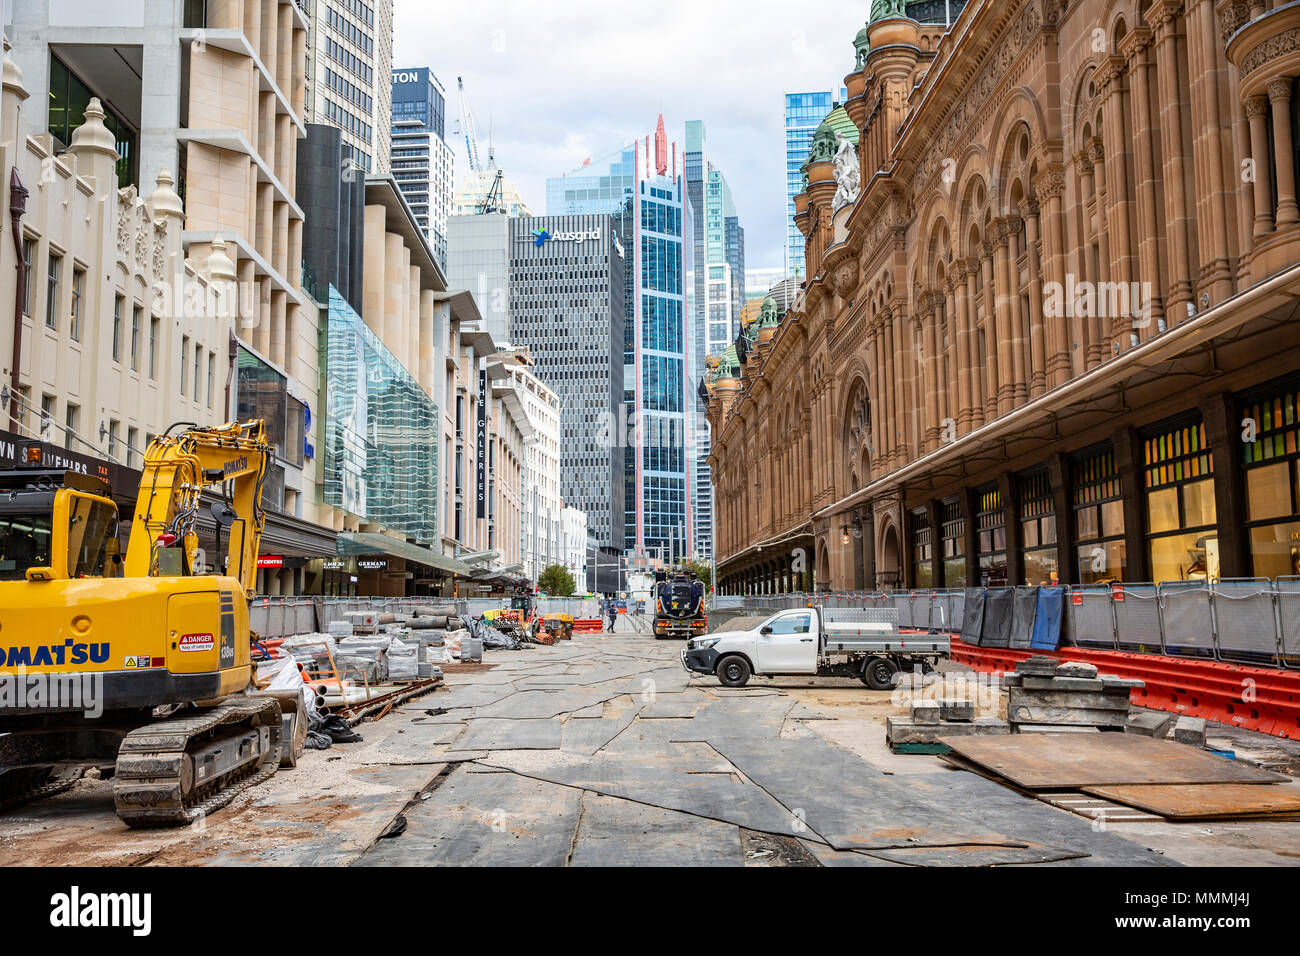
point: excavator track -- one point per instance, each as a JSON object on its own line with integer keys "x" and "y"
{"x": 175, "y": 771}
{"x": 25, "y": 785}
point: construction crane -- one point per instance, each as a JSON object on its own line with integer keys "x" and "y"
{"x": 493, "y": 199}
{"x": 467, "y": 127}
{"x": 165, "y": 640}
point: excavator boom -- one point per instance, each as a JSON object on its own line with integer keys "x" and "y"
{"x": 177, "y": 470}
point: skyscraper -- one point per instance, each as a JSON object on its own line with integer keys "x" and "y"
{"x": 644, "y": 189}
{"x": 422, "y": 162}
{"x": 803, "y": 114}
{"x": 349, "y": 59}
{"x": 717, "y": 297}
{"x": 566, "y": 306}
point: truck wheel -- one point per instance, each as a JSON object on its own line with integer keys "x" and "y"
{"x": 733, "y": 671}
{"x": 878, "y": 674}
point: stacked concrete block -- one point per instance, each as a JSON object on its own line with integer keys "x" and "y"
{"x": 1190, "y": 730}
{"x": 929, "y": 720}
{"x": 1047, "y": 694}
{"x": 1150, "y": 723}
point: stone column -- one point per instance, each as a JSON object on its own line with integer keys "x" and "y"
{"x": 1170, "y": 49}
{"x": 978, "y": 374}
{"x": 1002, "y": 320}
{"x": 1059, "y": 477}
{"x": 992, "y": 371}
{"x": 889, "y": 390}
{"x": 1223, "y": 432}
{"x": 1128, "y": 465}
{"x": 1279, "y": 97}
{"x": 876, "y": 397}
{"x": 1037, "y": 331}
{"x": 1257, "y": 110}
{"x": 1101, "y": 332}
{"x": 960, "y": 299}
{"x": 1150, "y": 228}
{"x": 929, "y": 388}
{"x": 1207, "y": 67}
{"x": 1049, "y": 187}
{"x": 1017, "y": 320}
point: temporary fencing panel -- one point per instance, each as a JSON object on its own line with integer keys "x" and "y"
{"x": 999, "y": 617}
{"x": 972, "y": 625}
{"x": 956, "y": 610}
{"x": 1245, "y": 621}
{"x": 1137, "y": 618}
{"x": 1288, "y": 614}
{"x": 1188, "y": 618}
{"x": 1089, "y": 619}
{"x": 1047, "y": 619}
{"x": 1022, "y": 618}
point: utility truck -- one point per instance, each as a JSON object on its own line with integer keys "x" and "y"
{"x": 820, "y": 642}
{"x": 679, "y": 605}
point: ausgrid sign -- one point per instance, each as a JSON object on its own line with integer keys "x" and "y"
{"x": 540, "y": 236}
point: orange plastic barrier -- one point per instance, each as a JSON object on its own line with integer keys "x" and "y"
{"x": 1256, "y": 698}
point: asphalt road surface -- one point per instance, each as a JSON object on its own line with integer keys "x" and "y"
{"x": 604, "y": 751}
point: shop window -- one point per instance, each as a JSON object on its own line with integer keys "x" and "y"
{"x": 922, "y": 554}
{"x": 1182, "y": 533}
{"x": 990, "y": 523}
{"x": 954, "y": 545}
{"x": 1038, "y": 529}
{"x": 1270, "y": 453}
{"x": 1099, "y": 518}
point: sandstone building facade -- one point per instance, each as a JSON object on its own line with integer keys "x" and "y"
{"x": 1053, "y": 337}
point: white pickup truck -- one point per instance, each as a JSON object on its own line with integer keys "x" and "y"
{"x": 823, "y": 642}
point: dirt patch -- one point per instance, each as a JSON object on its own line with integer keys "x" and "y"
{"x": 768, "y": 849}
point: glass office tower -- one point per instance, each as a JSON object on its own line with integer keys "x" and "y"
{"x": 718, "y": 296}
{"x": 644, "y": 190}
{"x": 804, "y": 112}
{"x": 422, "y": 162}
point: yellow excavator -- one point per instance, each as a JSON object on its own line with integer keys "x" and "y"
{"x": 138, "y": 665}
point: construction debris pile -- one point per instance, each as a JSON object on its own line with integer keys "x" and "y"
{"x": 1046, "y": 694}
{"x": 1072, "y": 739}
{"x": 367, "y": 662}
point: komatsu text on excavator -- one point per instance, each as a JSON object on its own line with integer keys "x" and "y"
{"x": 162, "y": 639}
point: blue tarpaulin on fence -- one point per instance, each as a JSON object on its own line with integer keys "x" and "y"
{"x": 1047, "y": 622}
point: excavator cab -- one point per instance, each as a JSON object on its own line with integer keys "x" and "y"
{"x": 56, "y": 525}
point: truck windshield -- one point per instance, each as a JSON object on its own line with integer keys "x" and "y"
{"x": 24, "y": 543}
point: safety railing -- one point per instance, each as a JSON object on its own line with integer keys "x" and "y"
{"x": 1249, "y": 621}
{"x": 305, "y": 614}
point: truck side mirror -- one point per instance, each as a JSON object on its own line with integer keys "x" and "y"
{"x": 765, "y": 629}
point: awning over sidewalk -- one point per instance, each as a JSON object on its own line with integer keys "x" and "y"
{"x": 368, "y": 542}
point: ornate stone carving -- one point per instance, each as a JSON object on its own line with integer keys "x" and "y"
{"x": 1279, "y": 90}
{"x": 1288, "y": 41}
{"x": 847, "y": 175}
{"x": 1232, "y": 17}
{"x": 845, "y": 279}
{"x": 1050, "y": 182}
{"x": 1257, "y": 106}
{"x": 979, "y": 92}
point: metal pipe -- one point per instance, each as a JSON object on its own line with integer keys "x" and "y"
{"x": 17, "y": 207}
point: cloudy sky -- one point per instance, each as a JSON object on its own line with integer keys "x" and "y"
{"x": 563, "y": 80}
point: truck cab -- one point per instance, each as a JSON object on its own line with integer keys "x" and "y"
{"x": 839, "y": 642}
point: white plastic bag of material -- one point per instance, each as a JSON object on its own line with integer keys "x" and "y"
{"x": 288, "y": 677}
{"x": 403, "y": 661}
{"x": 451, "y": 646}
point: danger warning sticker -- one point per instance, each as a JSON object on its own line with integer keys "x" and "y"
{"x": 196, "y": 642}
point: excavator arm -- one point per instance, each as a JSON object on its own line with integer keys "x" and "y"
{"x": 177, "y": 470}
